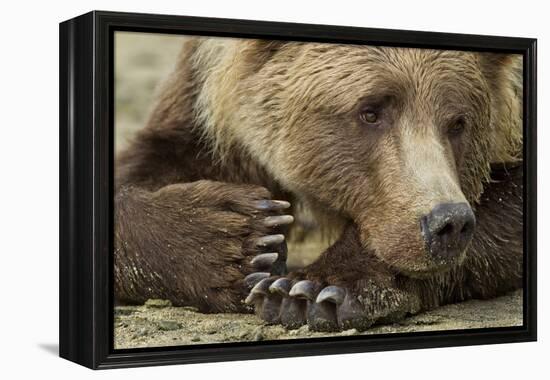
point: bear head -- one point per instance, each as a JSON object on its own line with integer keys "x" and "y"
{"x": 399, "y": 140}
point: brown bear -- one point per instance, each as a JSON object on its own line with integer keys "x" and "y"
{"x": 413, "y": 156}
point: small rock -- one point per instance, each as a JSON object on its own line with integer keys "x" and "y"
{"x": 141, "y": 333}
{"x": 349, "y": 332}
{"x": 258, "y": 334}
{"x": 155, "y": 303}
{"x": 190, "y": 308}
{"x": 196, "y": 339}
{"x": 168, "y": 325}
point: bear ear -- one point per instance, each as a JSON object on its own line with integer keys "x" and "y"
{"x": 256, "y": 53}
{"x": 504, "y": 75}
{"x": 495, "y": 65}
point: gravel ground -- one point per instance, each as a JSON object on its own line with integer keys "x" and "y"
{"x": 158, "y": 324}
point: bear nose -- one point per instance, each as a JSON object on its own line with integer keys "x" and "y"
{"x": 448, "y": 229}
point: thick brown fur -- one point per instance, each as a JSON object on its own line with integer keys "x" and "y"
{"x": 493, "y": 265}
{"x": 244, "y": 120}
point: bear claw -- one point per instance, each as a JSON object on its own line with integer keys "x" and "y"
{"x": 281, "y": 286}
{"x": 264, "y": 241}
{"x": 274, "y": 260}
{"x": 334, "y": 294}
{"x": 264, "y": 260}
{"x": 253, "y": 278}
{"x": 268, "y": 308}
{"x": 278, "y": 220}
{"x": 261, "y": 288}
{"x": 297, "y": 303}
{"x": 304, "y": 289}
{"x": 271, "y": 205}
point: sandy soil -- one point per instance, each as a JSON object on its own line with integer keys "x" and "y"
{"x": 158, "y": 324}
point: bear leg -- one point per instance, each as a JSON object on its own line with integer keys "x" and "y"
{"x": 193, "y": 243}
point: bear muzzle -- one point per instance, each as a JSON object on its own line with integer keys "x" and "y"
{"x": 447, "y": 230}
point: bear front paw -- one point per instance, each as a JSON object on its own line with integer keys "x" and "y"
{"x": 292, "y": 303}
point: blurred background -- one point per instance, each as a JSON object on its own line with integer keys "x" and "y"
{"x": 142, "y": 61}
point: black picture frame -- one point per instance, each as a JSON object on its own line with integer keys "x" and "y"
{"x": 86, "y": 189}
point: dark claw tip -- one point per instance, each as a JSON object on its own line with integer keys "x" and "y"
{"x": 280, "y": 286}
{"x": 269, "y": 240}
{"x": 334, "y": 294}
{"x": 303, "y": 289}
{"x": 259, "y": 290}
{"x": 264, "y": 260}
{"x": 253, "y": 278}
{"x": 268, "y": 204}
{"x": 261, "y": 287}
{"x": 278, "y": 220}
{"x": 251, "y": 298}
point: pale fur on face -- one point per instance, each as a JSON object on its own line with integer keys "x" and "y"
{"x": 291, "y": 107}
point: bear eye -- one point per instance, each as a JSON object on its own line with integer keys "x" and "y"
{"x": 457, "y": 127}
{"x": 368, "y": 117}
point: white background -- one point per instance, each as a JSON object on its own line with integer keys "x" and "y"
{"x": 29, "y": 187}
